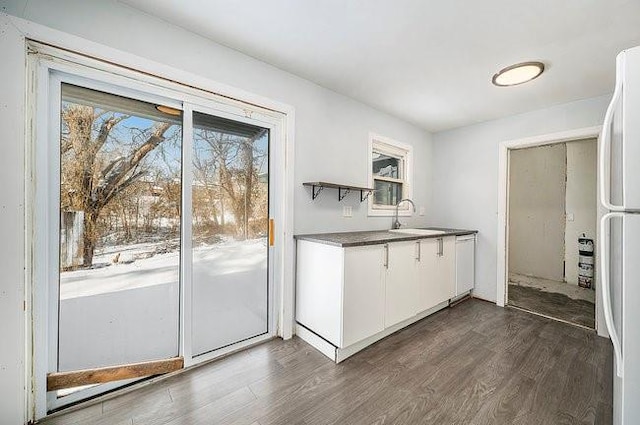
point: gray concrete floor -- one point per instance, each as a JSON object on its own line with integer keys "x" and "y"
{"x": 558, "y": 300}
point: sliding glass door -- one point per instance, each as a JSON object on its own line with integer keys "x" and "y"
{"x": 119, "y": 230}
{"x": 155, "y": 248}
{"x": 230, "y": 225}
{"x": 115, "y": 204}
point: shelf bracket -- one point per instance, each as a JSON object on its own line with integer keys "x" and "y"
{"x": 364, "y": 197}
{"x": 315, "y": 192}
{"x": 343, "y": 189}
{"x": 342, "y": 192}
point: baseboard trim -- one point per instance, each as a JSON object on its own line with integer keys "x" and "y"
{"x": 459, "y": 299}
{"x": 338, "y": 354}
{"x": 316, "y": 341}
{"x": 484, "y": 299}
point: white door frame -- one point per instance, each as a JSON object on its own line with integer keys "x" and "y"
{"x": 254, "y": 109}
{"x": 503, "y": 205}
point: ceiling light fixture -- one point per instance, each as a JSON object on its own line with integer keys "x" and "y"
{"x": 168, "y": 110}
{"x": 518, "y": 74}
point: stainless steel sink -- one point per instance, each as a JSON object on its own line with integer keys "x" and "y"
{"x": 421, "y": 232}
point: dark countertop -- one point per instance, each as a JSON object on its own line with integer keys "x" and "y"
{"x": 375, "y": 237}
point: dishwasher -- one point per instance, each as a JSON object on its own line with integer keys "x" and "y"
{"x": 465, "y": 263}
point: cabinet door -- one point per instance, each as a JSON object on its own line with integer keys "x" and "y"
{"x": 401, "y": 286}
{"x": 363, "y": 308}
{"x": 437, "y": 268}
{"x": 427, "y": 271}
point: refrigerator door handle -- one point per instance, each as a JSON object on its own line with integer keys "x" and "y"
{"x": 605, "y": 139}
{"x": 606, "y": 290}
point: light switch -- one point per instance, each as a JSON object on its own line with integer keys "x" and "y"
{"x": 570, "y": 217}
{"x": 347, "y": 211}
{"x": 422, "y": 209}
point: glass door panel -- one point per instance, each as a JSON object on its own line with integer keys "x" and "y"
{"x": 119, "y": 238}
{"x": 230, "y": 221}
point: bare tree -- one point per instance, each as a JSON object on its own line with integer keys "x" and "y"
{"x": 92, "y": 179}
{"x": 230, "y": 165}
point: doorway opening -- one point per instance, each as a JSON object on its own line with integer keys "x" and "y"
{"x": 552, "y": 230}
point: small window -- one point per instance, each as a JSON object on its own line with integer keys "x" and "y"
{"x": 389, "y": 175}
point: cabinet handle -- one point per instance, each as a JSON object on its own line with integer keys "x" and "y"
{"x": 386, "y": 256}
{"x": 440, "y": 248}
{"x": 419, "y": 257}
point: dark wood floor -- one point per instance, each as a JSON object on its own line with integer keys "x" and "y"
{"x": 471, "y": 364}
{"x": 552, "y": 304}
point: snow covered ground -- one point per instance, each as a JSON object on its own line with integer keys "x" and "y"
{"x": 133, "y": 270}
{"x": 128, "y": 311}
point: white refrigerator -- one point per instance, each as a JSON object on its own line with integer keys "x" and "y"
{"x": 619, "y": 250}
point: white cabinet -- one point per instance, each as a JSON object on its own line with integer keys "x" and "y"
{"x": 319, "y": 275}
{"x": 340, "y": 293}
{"x": 436, "y": 271}
{"x": 348, "y": 298}
{"x": 364, "y": 293}
{"x": 401, "y": 284}
{"x": 465, "y": 263}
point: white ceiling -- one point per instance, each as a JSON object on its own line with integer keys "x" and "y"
{"x": 428, "y": 62}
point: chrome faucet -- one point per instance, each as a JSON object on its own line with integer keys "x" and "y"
{"x": 396, "y": 223}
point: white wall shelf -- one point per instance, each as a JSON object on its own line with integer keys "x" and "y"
{"x": 343, "y": 189}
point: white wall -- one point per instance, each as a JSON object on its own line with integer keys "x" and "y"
{"x": 331, "y": 140}
{"x": 12, "y": 261}
{"x": 465, "y": 173}
{"x": 331, "y": 130}
{"x": 581, "y": 200}
{"x": 536, "y": 211}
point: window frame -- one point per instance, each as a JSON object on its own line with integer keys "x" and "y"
{"x": 395, "y": 149}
